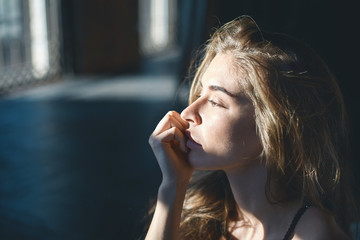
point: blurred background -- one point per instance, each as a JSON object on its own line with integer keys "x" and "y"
{"x": 83, "y": 83}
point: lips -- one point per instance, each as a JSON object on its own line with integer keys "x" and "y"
{"x": 191, "y": 143}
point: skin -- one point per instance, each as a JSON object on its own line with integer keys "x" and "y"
{"x": 218, "y": 131}
{"x": 221, "y": 121}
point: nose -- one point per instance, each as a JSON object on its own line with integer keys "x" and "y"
{"x": 191, "y": 113}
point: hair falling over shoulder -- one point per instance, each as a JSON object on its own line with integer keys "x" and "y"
{"x": 209, "y": 207}
{"x": 301, "y": 121}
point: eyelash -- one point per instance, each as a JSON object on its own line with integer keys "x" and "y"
{"x": 215, "y": 104}
{"x": 212, "y": 102}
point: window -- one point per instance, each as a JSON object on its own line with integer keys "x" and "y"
{"x": 157, "y": 21}
{"x": 29, "y": 42}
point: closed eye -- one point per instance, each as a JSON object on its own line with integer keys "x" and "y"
{"x": 213, "y": 103}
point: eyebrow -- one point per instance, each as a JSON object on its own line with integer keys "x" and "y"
{"x": 221, "y": 89}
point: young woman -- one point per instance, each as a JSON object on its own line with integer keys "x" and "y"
{"x": 265, "y": 126}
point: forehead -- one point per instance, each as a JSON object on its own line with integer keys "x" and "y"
{"x": 223, "y": 71}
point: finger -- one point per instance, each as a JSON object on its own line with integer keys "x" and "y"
{"x": 167, "y": 122}
{"x": 163, "y": 123}
{"x": 173, "y": 134}
{"x": 178, "y": 117}
{"x": 177, "y": 123}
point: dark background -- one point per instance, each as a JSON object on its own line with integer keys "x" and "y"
{"x": 74, "y": 169}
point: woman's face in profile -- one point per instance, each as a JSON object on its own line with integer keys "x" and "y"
{"x": 222, "y": 131}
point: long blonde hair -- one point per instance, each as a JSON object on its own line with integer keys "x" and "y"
{"x": 301, "y": 121}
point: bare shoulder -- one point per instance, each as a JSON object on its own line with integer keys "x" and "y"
{"x": 316, "y": 224}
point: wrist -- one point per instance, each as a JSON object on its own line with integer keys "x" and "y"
{"x": 174, "y": 184}
{"x": 171, "y": 190}
{"x": 176, "y": 180}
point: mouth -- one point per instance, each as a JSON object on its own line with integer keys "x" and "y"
{"x": 191, "y": 143}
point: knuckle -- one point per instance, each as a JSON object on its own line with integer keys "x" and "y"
{"x": 174, "y": 130}
{"x": 152, "y": 140}
{"x": 167, "y": 118}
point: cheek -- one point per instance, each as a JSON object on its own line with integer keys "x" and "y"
{"x": 235, "y": 139}
{"x": 246, "y": 140}
{"x": 219, "y": 135}
{"x": 228, "y": 147}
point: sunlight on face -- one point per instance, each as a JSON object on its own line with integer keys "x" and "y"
{"x": 222, "y": 128}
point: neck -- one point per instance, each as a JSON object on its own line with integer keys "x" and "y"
{"x": 248, "y": 187}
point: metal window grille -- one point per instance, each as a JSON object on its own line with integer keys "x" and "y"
{"x": 29, "y": 42}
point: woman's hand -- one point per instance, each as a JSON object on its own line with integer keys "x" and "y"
{"x": 168, "y": 143}
{"x": 169, "y": 146}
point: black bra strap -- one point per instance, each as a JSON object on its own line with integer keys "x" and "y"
{"x": 290, "y": 232}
